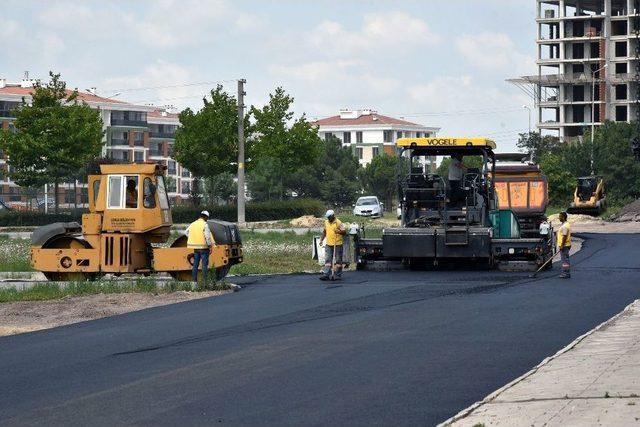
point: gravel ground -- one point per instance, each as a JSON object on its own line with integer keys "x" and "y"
{"x": 27, "y": 316}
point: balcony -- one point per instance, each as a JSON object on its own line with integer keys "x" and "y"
{"x": 119, "y": 141}
{"x": 163, "y": 135}
{"x": 127, "y": 122}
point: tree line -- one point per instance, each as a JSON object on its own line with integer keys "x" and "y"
{"x": 56, "y": 135}
{"x": 563, "y": 163}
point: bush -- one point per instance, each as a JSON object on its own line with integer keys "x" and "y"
{"x": 255, "y": 211}
{"x": 18, "y": 219}
{"x": 259, "y": 211}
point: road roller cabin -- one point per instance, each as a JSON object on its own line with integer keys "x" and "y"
{"x": 128, "y": 213}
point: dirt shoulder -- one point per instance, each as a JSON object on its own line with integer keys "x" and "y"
{"x": 27, "y": 316}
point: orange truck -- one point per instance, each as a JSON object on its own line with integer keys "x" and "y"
{"x": 521, "y": 187}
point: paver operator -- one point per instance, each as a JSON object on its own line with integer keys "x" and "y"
{"x": 201, "y": 241}
{"x": 564, "y": 245}
{"x": 334, "y": 232}
{"x": 457, "y": 170}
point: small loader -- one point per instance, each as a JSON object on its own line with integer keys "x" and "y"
{"x": 128, "y": 219}
{"x": 589, "y": 196}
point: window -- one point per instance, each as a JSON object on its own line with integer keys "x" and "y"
{"x": 162, "y": 193}
{"x": 171, "y": 167}
{"x": 149, "y": 194}
{"x": 185, "y": 187}
{"x": 359, "y": 153}
{"x": 96, "y": 190}
{"x": 346, "y": 137}
{"x": 621, "y": 49}
{"x": 621, "y": 92}
{"x": 387, "y": 136}
{"x": 122, "y": 192}
{"x": 399, "y": 134}
{"x": 375, "y": 151}
{"x": 621, "y": 68}
{"x": 138, "y": 156}
{"x": 328, "y": 136}
{"x": 132, "y": 192}
{"x": 69, "y": 196}
{"x": 359, "y": 137}
{"x": 621, "y": 113}
{"x": 185, "y": 173}
{"x": 115, "y": 192}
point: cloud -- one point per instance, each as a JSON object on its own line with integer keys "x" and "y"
{"x": 158, "y": 24}
{"x": 382, "y": 30}
{"x": 494, "y": 52}
{"x": 160, "y": 73}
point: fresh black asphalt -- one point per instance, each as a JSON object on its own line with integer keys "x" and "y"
{"x": 379, "y": 348}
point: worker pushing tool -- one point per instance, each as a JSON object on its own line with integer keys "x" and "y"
{"x": 334, "y": 231}
{"x": 564, "y": 245}
{"x": 201, "y": 241}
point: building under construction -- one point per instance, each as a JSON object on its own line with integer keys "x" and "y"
{"x": 588, "y": 53}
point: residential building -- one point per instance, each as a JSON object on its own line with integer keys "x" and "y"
{"x": 586, "y": 64}
{"x": 133, "y": 133}
{"x": 368, "y": 133}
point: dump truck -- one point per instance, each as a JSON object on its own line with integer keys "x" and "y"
{"x": 443, "y": 224}
{"x": 589, "y": 197}
{"x": 522, "y": 188}
{"x": 129, "y": 220}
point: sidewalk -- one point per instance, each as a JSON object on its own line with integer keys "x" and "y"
{"x": 594, "y": 381}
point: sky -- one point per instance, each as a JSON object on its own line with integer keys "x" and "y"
{"x": 435, "y": 62}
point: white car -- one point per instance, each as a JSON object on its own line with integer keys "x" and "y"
{"x": 368, "y": 206}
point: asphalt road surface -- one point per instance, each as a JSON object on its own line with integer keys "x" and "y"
{"x": 391, "y": 348}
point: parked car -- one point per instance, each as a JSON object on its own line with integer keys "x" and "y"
{"x": 368, "y": 206}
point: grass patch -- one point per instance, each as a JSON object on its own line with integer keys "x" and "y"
{"x": 49, "y": 291}
{"x": 14, "y": 254}
{"x": 274, "y": 252}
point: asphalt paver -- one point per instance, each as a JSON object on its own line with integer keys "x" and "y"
{"x": 377, "y": 348}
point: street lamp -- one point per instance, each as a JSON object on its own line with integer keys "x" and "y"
{"x": 593, "y": 105}
{"x": 526, "y": 107}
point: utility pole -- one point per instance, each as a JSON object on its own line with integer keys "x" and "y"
{"x": 241, "y": 94}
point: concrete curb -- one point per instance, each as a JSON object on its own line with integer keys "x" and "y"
{"x": 467, "y": 411}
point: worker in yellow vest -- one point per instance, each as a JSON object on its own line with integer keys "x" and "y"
{"x": 564, "y": 245}
{"x": 201, "y": 241}
{"x": 334, "y": 231}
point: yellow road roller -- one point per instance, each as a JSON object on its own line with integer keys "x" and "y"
{"x": 128, "y": 220}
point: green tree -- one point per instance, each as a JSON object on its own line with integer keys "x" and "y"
{"x": 380, "y": 178}
{"x": 265, "y": 180}
{"x": 56, "y": 135}
{"x": 469, "y": 161}
{"x": 333, "y": 177}
{"x": 273, "y": 138}
{"x": 612, "y": 159}
{"x": 532, "y": 142}
{"x": 220, "y": 188}
{"x": 207, "y": 140}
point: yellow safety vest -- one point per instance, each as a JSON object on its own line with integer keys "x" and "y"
{"x": 196, "y": 239}
{"x": 565, "y": 229}
{"x": 331, "y": 228}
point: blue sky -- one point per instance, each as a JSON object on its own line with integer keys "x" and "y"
{"x": 436, "y": 62}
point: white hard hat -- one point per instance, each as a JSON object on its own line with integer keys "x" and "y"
{"x": 205, "y": 213}
{"x": 329, "y": 213}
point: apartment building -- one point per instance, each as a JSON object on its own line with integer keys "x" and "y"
{"x": 586, "y": 65}
{"x": 133, "y": 133}
{"x": 369, "y": 133}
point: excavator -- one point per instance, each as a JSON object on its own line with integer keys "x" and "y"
{"x": 129, "y": 220}
{"x": 589, "y": 196}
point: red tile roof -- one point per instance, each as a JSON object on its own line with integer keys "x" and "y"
{"x": 364, "y": 120}
{"x": 83, "y": 96}
{"x": 158, "y": 114}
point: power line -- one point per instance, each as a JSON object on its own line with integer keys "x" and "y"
{"x": 140, "y": 89}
